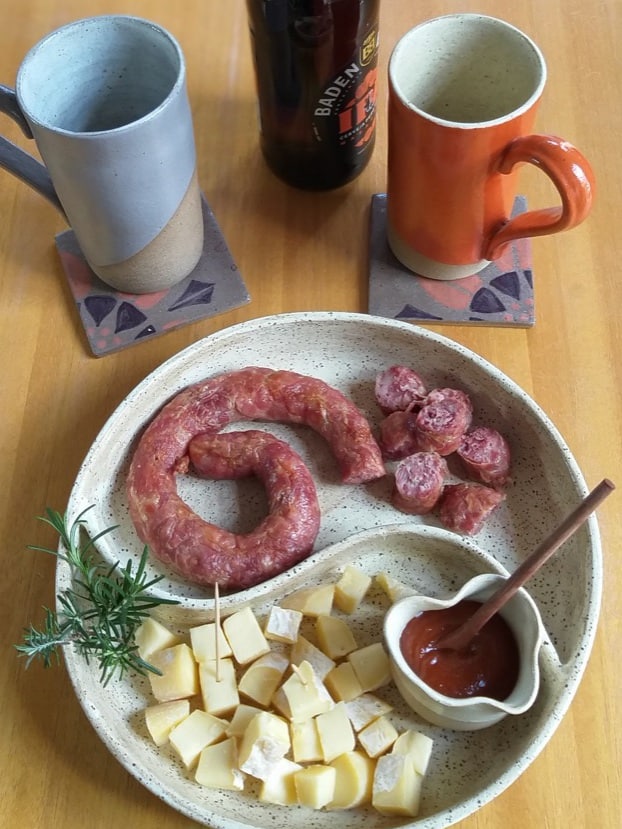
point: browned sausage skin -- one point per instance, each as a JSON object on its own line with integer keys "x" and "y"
{"x": 169, "y": 527}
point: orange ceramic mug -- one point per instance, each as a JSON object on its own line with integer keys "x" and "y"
{"x": 463, "y": 95}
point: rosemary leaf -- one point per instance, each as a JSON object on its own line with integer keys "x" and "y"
{"x": 99, "y": 614}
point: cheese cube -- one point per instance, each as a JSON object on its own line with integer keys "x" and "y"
{"x": 334, "y": 636}
{"x": 203, "y": 642}
{"x": 371, "y": 666}
{"x": 311, "y": 601}
{"x": 218, "y": 767}
{"x": 315, "y": 785}
{"x": 305, "y": 651}
{"x": 335, "y": 732}
{"x": 279, "y": 787}
{"x": 151, "y": 636}
{"x": 393, "y": 588}
{"x": 305, "y": 693}
{"x": 342, "y": 682}
{"x": 245, "y": 637}
{"x": 396, "y": 787}
{"x": 378, "y": 737}
{"x": 265, "y": 741}
{"x": 279, "y": 703}
{"x": 262, "y": 677}
{"x": 218, "y": 686}
{"x": 198, "y": 730}
{"x": 353, "y": 784}
{"x": 365, "y": 709}
{"x": 282, "y": 624}
{"x": 306, "y": 746}
{"x": 350, "y": 589}
{"x": 416, "y": 746}
{"x": 241, "y": 718}
{"x": 162, "y": 718}
{"x": 179, "y": 673}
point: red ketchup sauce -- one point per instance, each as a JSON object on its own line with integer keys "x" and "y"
{"x": 487, "y": 667}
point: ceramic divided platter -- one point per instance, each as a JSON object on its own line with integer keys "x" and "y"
{"x": 359, "y": 525}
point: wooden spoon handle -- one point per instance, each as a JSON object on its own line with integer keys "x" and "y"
{"x": 460, "y": 638}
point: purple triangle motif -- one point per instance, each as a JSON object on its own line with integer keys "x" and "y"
{"x": 128, "y": 316}
{"x": 507, "y": 283}
{"x": 99, "y": 306}
{"x": 485, "y": 302}
{"x": 197, "y": 293}
{"x": 409, "y": 311}
{"x": 147, "y": 330}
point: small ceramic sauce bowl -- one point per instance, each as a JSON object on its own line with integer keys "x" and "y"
{"x": 469, "y": 713}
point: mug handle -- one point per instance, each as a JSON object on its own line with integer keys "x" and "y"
{"x": 19, "y": 162}
{"x": 572, "y": 176}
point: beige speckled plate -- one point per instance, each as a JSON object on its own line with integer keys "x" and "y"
{"x": 358, "y": 523}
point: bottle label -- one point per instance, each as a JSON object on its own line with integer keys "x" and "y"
{"x": 346, "y": 108}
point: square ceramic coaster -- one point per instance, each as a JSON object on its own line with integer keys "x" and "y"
{"x": 501, "y": 294}
{"x": 113, "y": 320}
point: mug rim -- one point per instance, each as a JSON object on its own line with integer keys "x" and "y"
{"x": 107, "y": 19}
{"x": 395, "y": 88}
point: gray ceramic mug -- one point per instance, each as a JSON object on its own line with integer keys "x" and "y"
{"x": 105, "y": 100}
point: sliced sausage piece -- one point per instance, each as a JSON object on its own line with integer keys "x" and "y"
{"x": 419, "y": 480}
{"x": 442, "y": 421}
{"x": 161, "y": 518}
{"x": 464, "y": 508}
{"x": 485, "y": 455}
{"x": 397, "y": 437}
{"x": 399, "y": 388}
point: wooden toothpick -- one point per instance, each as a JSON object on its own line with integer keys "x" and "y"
{"x": 217, "y": 630}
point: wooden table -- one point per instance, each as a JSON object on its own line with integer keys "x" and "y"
{"x": 300, "y": 251}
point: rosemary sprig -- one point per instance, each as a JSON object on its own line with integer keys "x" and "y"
{"x": 100, "y": 613}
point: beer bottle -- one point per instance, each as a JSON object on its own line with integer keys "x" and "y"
{"x": 316, "y": 67}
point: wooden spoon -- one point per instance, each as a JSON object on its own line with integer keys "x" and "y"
{"x": 460, "y": 638}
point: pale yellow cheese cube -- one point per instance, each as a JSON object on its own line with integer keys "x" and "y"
{"x": 351, "y": 588}
{"x": 262, "y": 677}
{"x": 315, "y": 785}
{"x": 242, "y": 716}
{"x": 218, "y": 686}
{"x": 396, "y": 787}
{"x": 203, "y": 642}
{"x": 245, "y": 636}
{"x": 334, "y": 636}
{"x": 198, "y": 730}
{"x": 394, "y": 588}
{"x": 160, "y": 719}
{"x": 306, "y": 746}
{"x": 416, "y": 746}
{"x": 365, "y": 709}
{"x": 306, "y": 694}
{"x": 371, "y": 666}
{"x": 282, "y": 624}
{"x": 378, "y": 737}
{"x": 279, "y": 787}
{"x": 343, "y": 683}
{"x": 305, "y": 651}
{"x": 311, "y": 601}
{"x": 179, "y": 677}
{"x": 265, "y": 741}
{"x": 151, "y": 636}
{"x": 353, "y": 784}
{"x": 280, "y": 704}
{"x": 218, "y": 767}
{"x": 335, "y": 732}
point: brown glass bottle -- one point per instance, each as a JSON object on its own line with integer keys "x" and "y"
{"x": 316, "y": 67}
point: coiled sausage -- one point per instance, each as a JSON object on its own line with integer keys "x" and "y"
{"x": 161, "y": 518}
